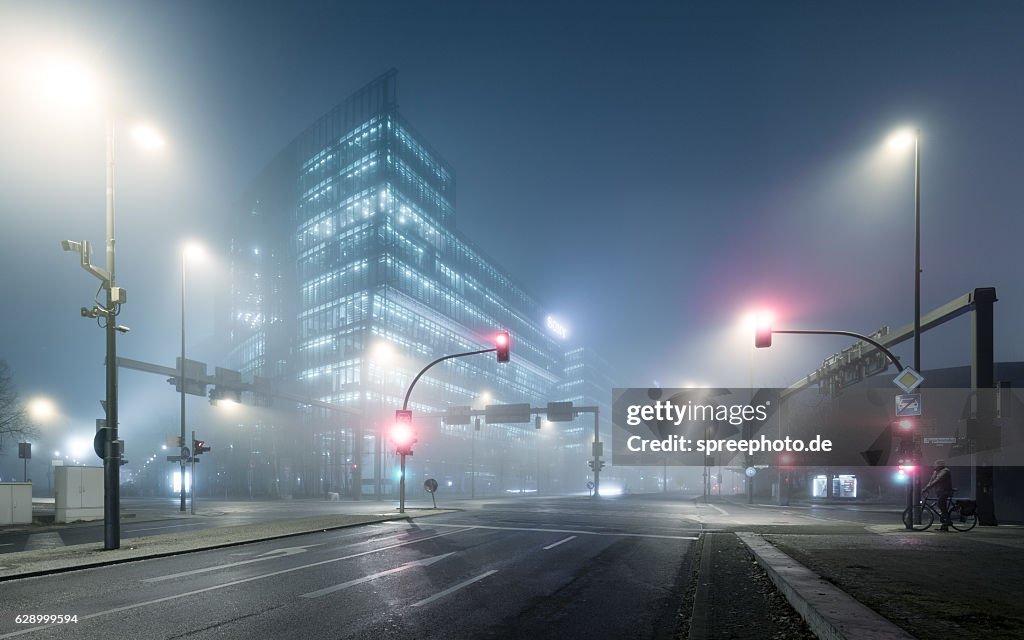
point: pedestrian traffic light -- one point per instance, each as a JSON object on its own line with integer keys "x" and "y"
{"x": 401, "y": 432}
{"x": 503, "y": 342}
{"x": 590, "y": 463}
{"x": 199, "y": 446}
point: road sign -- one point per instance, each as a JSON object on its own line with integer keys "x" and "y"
{"x": 908, "y": 380}
{"x": 560, "y": 412}
{"x": 940, "y": 440}
{"x": 25, "y": 450}
{"x": 173, "y": 458}
{"x": 908, "y": 405}
{"x": 751, "y": 472}
{"x": 99, "y": 443}
{"x": 507, "y": 413}
{"x": 457, "y": 415}
{"x": 185, "y": 453}
{"x": 430, "y": 485}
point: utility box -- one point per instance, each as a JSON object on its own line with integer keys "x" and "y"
{"x": 15, "y": 503}
{"x": 78, "y": 493}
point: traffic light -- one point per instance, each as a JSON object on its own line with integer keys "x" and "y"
{"x": 905, "y": 426}
{"x": 590, "y": 463}
{"x": 225, "y": 393}
{"x": 503, "y": 342}
{"x": 401, "y": 432}
{"x": 763, "y": 331}
{"x": 199, "y": 446}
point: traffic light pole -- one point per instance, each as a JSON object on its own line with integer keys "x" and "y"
{"x": 405, "y": 407}
{"x": 192, "y": 479}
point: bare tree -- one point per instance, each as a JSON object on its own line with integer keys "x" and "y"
{"x": 14, "y": 419}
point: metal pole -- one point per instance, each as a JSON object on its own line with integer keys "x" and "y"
{"x": 472, "y": 457}
{"x": 192, "y": 478}
{"x": 181, "y": 381}
{"x": 597, "y": 458}
{"x": 914, "y": 485}
{"x": 401, "y": 485}
{"x": 111, "y": 463}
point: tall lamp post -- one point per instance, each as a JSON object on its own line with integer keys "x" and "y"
{"x": 108, "y": 310}
{"x": 902, "y": 140}
{"x": 189, "y": 251}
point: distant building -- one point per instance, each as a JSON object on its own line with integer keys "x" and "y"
{"x": 347, "y": 277}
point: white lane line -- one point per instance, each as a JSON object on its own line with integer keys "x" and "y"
{"x": 215, "y": 587}
{"x": 273, "y": 554}
{"x": 576, "y": 531}
{"x": 426, "y": 562}
{"x": 552, "y": 546}
{"x": 451, "y": 590}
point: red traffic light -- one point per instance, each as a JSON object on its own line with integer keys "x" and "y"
{"x": 502, "y": 342}
{"x": 401, "y": 432}
{"x": 763, "y": 331}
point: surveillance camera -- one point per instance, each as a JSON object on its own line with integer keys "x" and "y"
{"x": 70, "y": 245}
{"x": 122, "y": 328}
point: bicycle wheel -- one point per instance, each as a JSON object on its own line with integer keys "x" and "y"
{"x": 927, "y": 518}
{"x": 960, "y": 522}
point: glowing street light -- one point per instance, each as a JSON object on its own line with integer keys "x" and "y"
{"x": 41, "y": 409}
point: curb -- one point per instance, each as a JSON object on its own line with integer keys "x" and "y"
{"x": 831, "y": 613}
{"x": 75, "y": 564}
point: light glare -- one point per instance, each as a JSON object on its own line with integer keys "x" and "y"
{"x": 148, "y": 137}
{"x": 901, "y": 140}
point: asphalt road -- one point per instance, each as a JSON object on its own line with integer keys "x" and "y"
{"x": 558, "y": 568}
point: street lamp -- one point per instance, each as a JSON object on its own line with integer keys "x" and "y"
{"x": 902, "y": 140}
{"x": 108, "y": 311}
{"x": 191, "y": 251}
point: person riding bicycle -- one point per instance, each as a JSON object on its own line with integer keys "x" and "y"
{"x": 942, "y": 482}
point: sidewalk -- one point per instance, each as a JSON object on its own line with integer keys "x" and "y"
{"x": 55, "y": 560}
{"x": 930, "y": 584}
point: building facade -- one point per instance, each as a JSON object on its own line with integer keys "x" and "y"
{"x": 348, "y": 276}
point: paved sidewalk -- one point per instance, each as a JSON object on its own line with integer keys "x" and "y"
{"x": 931, "y": 584}
{"x": 53, "y": 560}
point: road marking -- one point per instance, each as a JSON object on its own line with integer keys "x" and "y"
{"x": 43, "y": 541}
{"x": 576, "y": 531}
{"x": 426, "y": 562}
{"x": 451, "y": 590}
{"x": 269, "y": 555}
{"x": 215, "y": 587}
{"x": 717, "y": 508}
{"x": 7, "y": 544}
{"x": 552, "y": 546}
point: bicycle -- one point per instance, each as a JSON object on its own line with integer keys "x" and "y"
{"x": 962, "y": 514}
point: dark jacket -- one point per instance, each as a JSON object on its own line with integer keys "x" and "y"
{"x": 941, "y": 481}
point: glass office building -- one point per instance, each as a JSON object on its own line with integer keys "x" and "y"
{"x": 348, "y": 276}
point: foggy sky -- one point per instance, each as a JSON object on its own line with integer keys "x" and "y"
{"x": 649, "y": 171}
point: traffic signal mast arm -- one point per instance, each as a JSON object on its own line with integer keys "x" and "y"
{"x": 405, "y": 403}
{"x": 851, "y": 334}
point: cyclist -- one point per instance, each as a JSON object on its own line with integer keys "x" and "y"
{"x": 942, "y": 482}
